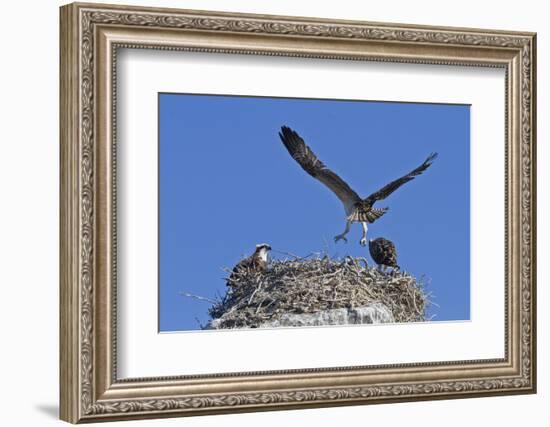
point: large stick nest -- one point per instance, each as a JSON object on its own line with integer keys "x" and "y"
{"x": 310, "y": 285}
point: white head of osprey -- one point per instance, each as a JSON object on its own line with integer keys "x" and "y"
{"x": 262, "y": 250}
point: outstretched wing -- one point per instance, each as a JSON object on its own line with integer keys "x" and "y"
{"x": 394, "y": 185}
{"x": 315, "y": 167}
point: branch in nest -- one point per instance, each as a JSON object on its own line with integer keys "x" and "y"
{"x": 198, "y": 297}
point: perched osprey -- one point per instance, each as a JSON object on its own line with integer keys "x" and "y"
{"x": 383, "y": 253}
{"x": 357, "y": 209}
{"x": 256, "y": 262}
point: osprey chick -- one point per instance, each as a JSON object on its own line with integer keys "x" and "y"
{"x": 357, "y": 209}
{"x": 257, "y": 262}
{"x": 383, "y": 253}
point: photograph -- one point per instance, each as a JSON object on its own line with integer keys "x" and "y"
{"x": 291, "y": 212}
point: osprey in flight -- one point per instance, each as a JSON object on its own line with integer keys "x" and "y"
{"x": 357, "y": 209}
{"x": 257, "y": 261}
{"x": 383, "y": 253}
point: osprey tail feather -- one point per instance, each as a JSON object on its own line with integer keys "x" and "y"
{"x": 369, "y": 216}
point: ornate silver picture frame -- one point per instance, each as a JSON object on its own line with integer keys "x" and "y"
{"x": 92, "y": 35}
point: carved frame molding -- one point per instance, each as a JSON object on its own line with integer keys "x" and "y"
{"x": 90, "y": 35}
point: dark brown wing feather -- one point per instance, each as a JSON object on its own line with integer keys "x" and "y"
{"x": 241, "y": 268}
{"x": 245, "y": 266}
{"x": 394, "y": 185}
{"x": 315, "y": 167}
{"x": 383, "y": 252}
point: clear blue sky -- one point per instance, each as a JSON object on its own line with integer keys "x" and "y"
{"x": 227, "y": 183}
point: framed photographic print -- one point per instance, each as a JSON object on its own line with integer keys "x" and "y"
{"x": 265, "y": 212}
